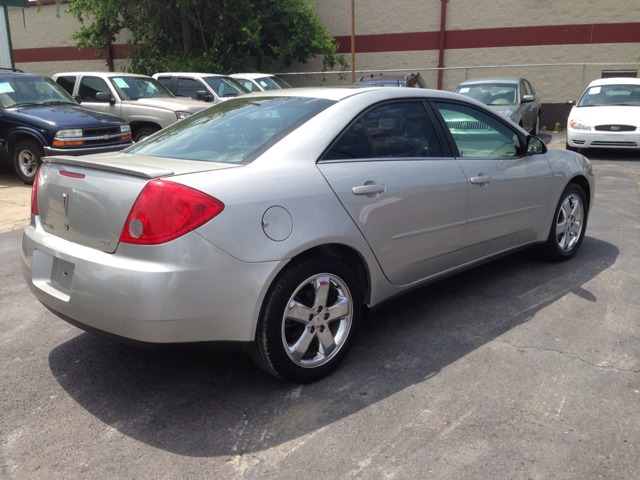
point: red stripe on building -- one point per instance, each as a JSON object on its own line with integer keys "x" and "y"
{"x": 496, "y": 37}
{"x": 65, "y": 54}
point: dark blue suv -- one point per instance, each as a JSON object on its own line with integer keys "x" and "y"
{"x": 39, "y": 118}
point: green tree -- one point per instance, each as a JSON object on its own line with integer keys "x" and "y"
{"x": 221, "y": 36}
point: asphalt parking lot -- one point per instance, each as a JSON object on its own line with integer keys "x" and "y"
{"x": 518, "y": 369}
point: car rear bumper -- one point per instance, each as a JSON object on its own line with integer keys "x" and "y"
{"x": 52, "y": 152}
{"x": 593, "y": 139}
{"x": 185, "y": 291}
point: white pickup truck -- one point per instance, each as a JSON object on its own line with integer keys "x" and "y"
{"x": 140, "y": 100}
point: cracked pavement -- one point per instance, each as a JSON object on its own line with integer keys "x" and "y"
{"x": 518, "y": 369}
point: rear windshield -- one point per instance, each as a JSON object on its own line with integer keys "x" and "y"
{"x": 236, "y": 131}
{"x": 491, "y": 93}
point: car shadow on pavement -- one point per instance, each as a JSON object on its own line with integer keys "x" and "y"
{"x": 222, "y": 404}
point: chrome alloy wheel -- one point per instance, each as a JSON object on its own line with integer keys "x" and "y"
{"x": 317, "y": 320}
{"x": 569, "y": 222}
{"x": 27, "y": 163}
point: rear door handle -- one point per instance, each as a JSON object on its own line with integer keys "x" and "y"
{"x": 368, "y": 189}
{"x": 481, "y": 180}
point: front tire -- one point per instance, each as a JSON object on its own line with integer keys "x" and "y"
{"x": 144, "y": 132}
{"x": 569, "y": 224}
{"x": 308, "y": 321}
{"x": 570, "y": 148}
{"x": 27, "y": 157}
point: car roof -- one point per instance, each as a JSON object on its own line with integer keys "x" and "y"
{"x": 476, "y": 81}
{"x": 189, "y": 74}
{"x": 341, "y": 93}
{"x": 7, "y": 74}
{"x": 102, "y": 74}
{"x": 616, "y": 81}
{"x": 251, "y": 75}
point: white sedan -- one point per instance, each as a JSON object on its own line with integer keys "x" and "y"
{"x": 606, "y": 116}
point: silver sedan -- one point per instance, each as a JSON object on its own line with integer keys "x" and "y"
{"x": 267, "y": 223}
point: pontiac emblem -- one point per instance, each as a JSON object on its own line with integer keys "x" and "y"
{"x": 65, "y": 202}
{"x": 615, "y": 127}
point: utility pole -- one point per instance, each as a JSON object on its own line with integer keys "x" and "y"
{"x": 353, "y": 42}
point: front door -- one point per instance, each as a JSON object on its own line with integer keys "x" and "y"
{"x": 507, "y": 187}
{"x": 87, "y": 89}
{"x": 406, "y": 194}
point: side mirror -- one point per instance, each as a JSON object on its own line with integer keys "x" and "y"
{"x": 105, "y": 97}
{"x": 535, "y": 146}
{"x": 77, "y": 98}
{"x": 571, "y": 102}
{"x": 204, "y": 96}
{"x": 528, "y": 98}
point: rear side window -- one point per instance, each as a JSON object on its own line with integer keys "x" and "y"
{"x": 165, "y": 81}
{"x": 236, "y": 131}
{"x": 67, "y": 83}
{"x": 89, "y": 86}
{"x": 249, "y": 85}
{"x": 399, "y": 130}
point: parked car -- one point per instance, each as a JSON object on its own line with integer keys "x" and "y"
{"x": 269, "y": 221}
{"x": 140, "y": 100}
{"x": 394, "y": 80}
{"x": 39, "y": 118}
{"x": 514, "y": 98}
{"x": 207, "y": 87}
{"x": 260, "y": 82}
{"x": 606, "y": 116}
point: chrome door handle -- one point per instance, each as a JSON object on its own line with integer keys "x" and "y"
{"x": 368, "y": 189}
{"x": 481, "y": 180}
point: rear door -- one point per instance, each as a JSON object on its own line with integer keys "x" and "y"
{"x": 508, "y": 189}
{"x": 403, "y": 189}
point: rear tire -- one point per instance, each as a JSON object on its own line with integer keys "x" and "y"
{"x": 308, "y": 320}
{"x": 568, "y": 226}
{"x": 27, "y": 158}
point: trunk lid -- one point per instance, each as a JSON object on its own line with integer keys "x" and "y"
{"x": 86, "y": 200}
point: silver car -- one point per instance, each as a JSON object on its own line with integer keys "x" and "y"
{"x": 514, "y": 98}
{"x": 266, "y": 223}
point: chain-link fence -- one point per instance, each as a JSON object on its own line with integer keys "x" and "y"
{"x": 555, "y": 84}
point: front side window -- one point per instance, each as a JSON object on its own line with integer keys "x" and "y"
{"x": 133, "y": 88}
{"x": 89, "y": 86}
{"x": 236, "y": 131}
{"x": 623, "y": 95}
{"x": 491, "y": 93}
{"x": 24, "y": 91}
{"x": 188, "y": 88}
{"x": 165, "y": 81}
{"x": 477, "y": 134}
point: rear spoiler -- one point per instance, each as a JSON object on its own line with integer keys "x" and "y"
{"x": 144, "y": 171}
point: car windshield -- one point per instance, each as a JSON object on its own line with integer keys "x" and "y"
{"x": 19, "y": 91}
{"x": 225, "y": 86}
{"x": 491, "y": 93}
{"x": 133, "y": 88}
{"x": 272, "y": 83}
{"x": 236, "y": 131}
{"x": 628, "y": 95}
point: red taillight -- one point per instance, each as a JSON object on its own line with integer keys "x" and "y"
{"x": 165, "y": 211}
{"x": 34, "y": 193}
{"x": 65, "y": 173}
